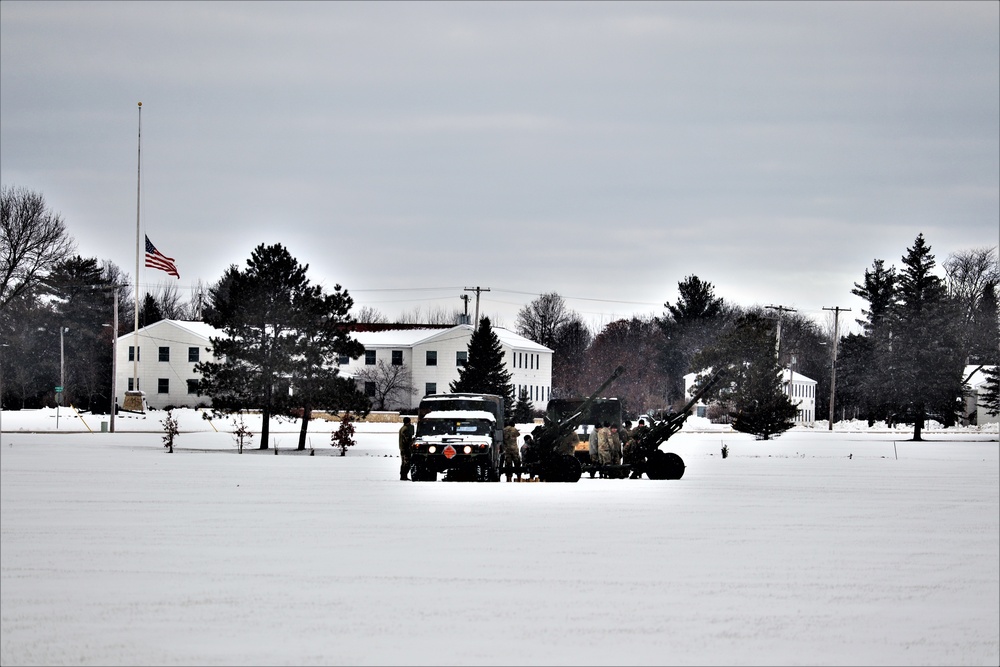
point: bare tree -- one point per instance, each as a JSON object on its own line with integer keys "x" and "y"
{"x": 369, "y": 315}
{"x": 32, "y": 241}
{"x": 391, "y": 383}
{"x": 437, "y": 315}
{"x": 169, "y": 300}
{"x": 541, "y": 319}
{"x": 968, "y": 274}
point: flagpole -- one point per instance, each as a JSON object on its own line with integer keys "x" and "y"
{"x": 138, "y": 234}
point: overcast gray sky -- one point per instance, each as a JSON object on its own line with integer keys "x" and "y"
{"x": 604, "y": 151}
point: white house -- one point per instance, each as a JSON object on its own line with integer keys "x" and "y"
{"x": 802, "y": 392}
{"x": 163, "y": 367}
{"x": 435, "y": 355}
{"x": 169, "y": 349}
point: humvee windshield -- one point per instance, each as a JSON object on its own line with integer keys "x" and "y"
{"x": 454, "y": 427}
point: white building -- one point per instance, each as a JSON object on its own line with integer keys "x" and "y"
{"x": 169, "y": 350}
{"x": 802, "y": 392}
{"x": 164, "y": 367}
{"x": 435, "y": 355}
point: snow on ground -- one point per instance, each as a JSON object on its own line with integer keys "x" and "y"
{"x": 819, "y": 547}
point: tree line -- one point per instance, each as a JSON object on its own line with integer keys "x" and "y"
{"x": 282, "y": 334}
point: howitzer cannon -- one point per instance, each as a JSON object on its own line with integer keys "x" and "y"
{"x": 648, "y": 458}
{"x": 552, "y": 458}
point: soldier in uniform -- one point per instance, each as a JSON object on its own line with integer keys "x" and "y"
{"x": 595, "y": 456}
{"x": 604, "y": 444}
{"x": 637, "y": 456}
{"x": 511, "y": 455}
{"x": 616, "y": 445}
{"x": 405, "y": 445}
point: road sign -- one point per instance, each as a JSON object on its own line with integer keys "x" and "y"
{"x": 58, "y": 390}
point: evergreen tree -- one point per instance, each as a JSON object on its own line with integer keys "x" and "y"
{"x": 523, "y": 410}
{"x": 149, "y": 312}
{"x": 692, "y": 323}
{"x": 990, "y": 399}
{"x": 322, "y": 333}
{"x": 751, "y": 379}
{"x": 485, "y": 372}
{"x": 256, "y": 310}
{"x": 925, "y": 356}
{"x": 864, "y": 363}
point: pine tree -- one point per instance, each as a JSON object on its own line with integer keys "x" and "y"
{"x": 485, "y": 372}
{"x": 990, "y": 398}
{"x": 925, "y": 356}
{"x": 751, "y": 381}
{"x": 523, "y": 410}
{"x": 255, "y": 309}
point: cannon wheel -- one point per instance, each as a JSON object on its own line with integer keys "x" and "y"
{"x": 562, "y": 468}
{"x": 664, "y": 465}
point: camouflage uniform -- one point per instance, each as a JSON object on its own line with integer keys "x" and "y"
{"x": 638, "y": 459}
{"x": 568, "y": 444}
{"x": 405, "y": 447}
{"x": 511, "y": 455}
{"x": 595, "y": 457}
{"x": 615, "y": 445}
{"x": 604, "y": 444}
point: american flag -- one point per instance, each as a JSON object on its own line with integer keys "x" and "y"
{"x": 156, "y": 260}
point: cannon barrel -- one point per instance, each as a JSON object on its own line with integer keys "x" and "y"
{"x": 661, "y": 431}
{"x": 552, "y": 433}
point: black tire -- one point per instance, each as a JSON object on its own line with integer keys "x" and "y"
{"x": 664, "y": 465}
{"x": 421, "y": 474}
{"x": 562, "y": 468}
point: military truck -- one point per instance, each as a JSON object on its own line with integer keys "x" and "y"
{"x": 459, "y": 435}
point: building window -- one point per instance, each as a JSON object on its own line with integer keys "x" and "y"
{"x": 430, "y": 388}
{"x": 163, "y": 386}
{"x": 132, "y": 356}
{"x": 193, "y": 354}
{"x": 461, "y": 358}
{"x": 432, "y": 359}
{"x": 164, "y": 354}
{"x": 343, "y": 360}
{"x": 397, "y": 357}
{"x": 369, "y": 389}
{"x": 192, "y": 386}
{"x": 130, "y": 384}
{"x": 369, "y": 357}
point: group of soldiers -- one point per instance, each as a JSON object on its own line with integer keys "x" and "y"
{"x": 609, "y": 445}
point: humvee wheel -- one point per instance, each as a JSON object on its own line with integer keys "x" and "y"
{"x": 664, "y": 465}
{"x": 421, "y": 474}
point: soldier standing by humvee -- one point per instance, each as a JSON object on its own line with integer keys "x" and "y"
{"x": 405, "y": 447}
{"x": 511, "y": 455}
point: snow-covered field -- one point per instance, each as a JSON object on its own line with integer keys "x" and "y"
{"x": 854, "y": 546}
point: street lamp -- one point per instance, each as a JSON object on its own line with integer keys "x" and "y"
{"x": 62, "y": 373}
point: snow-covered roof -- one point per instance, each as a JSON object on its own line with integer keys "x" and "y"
{"x": 799, "y": 377}
{"x": 199, "y": 329}
{"x": 459, "y": 414}
{"x": 411, "y": 337}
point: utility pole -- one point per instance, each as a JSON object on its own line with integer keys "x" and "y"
{"x": 62, "y": 374}
{"x": 833, "y": 363}
{"x": 781, "y": 315}
{"x": 477, "y": 290}
{"x": 465, "y": 315}
{"x": 114, "y": 359}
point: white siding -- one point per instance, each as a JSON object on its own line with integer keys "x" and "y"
{"x": 177, "y": 337}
